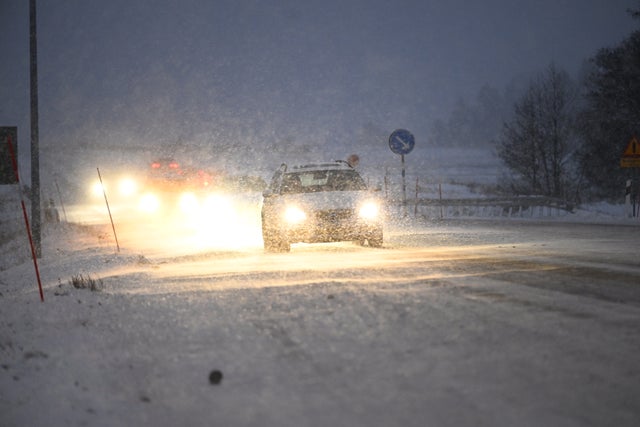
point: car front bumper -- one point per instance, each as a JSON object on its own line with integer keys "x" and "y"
{"x": 331, "y": 226}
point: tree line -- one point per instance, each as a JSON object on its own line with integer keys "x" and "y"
{"x": 563, "y": 138}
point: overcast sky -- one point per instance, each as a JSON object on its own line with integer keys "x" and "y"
{"x": 217, "y": 71}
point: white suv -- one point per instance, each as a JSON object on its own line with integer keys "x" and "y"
{"x": 325, "y": 202}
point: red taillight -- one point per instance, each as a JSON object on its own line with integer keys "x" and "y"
{"x": 174, "y": 165}
{"x": 155, "y": 165}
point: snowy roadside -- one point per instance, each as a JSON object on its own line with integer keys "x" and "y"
{"x": 108, "y": 357}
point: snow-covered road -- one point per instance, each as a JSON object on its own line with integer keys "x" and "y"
{"x": 477, "y": 323}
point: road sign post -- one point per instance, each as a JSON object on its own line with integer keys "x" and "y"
{"x": 631, "y": 159}
{"x": 8, "y": 135}
{"x": 401, "y": 142}
{"x": 627, "y": 199}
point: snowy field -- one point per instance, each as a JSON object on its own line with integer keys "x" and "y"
{"x": 433, "y": 329}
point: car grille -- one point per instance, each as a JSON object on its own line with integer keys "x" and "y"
{"x": 335, "y": 216}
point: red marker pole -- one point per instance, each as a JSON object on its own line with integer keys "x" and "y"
{"x": 14, "y": 163}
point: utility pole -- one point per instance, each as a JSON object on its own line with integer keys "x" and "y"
{"x": 35, "y": 155}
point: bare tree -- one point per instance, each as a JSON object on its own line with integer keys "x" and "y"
{"x": 538, "y": 143}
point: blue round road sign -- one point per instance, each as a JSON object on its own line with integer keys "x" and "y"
{"x": 401, "y": 141}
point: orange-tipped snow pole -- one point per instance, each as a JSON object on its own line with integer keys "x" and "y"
{"x": 14, "y": 163}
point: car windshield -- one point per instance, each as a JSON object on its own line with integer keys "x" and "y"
{"x": 328, "y": 180}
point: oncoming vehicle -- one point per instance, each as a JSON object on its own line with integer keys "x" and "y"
{"x": 166, "y": 189}
{"x": 325, "y": 202}
{"x": 169, "y": 185}
{"x": 166, "y": 173}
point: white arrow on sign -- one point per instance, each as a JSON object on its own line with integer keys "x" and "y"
{"x": 405, "y": 145}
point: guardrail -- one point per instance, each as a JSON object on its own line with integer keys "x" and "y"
{"x": 424, "y": 204}
{"x": 526, "y": 206}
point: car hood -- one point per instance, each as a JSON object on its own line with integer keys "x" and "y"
{"x": 325, "y": 200}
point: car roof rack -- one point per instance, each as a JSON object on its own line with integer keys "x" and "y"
{"x": 336, "y": 164}
{"x": 345, "y": 162}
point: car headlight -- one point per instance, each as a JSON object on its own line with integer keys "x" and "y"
{"x": 369, "y": 210}
{"x": 294, "y": 215}
{"x": 97, "y": 189}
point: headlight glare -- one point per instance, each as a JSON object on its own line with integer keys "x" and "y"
{"x": 294, "y": 215}
{"x": 127, "y": 187}
{"x": 97, "y": 189}
{"x": 188, "y": 203}
{"x": 369, "y": 210}
{"x": 149, "y": 203}
{"x": 217, "y": 202}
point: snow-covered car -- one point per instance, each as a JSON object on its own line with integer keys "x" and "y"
{"x": 324, "y": 202}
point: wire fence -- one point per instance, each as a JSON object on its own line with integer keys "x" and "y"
{"x": 433, "y": 200}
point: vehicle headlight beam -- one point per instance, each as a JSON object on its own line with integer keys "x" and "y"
{"x": 127, "y": 187}
{"x": 149, "y": 203}
{"x": 189, "y": 203}
{"x": 369, "y": 210}
{"x": 294, "y": 215}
